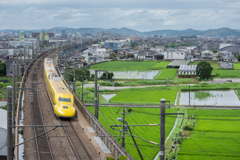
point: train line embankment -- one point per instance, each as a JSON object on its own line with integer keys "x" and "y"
{"x": 72, "y": 142}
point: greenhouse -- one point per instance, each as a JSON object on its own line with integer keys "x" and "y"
{"x": 187, "y": 70}
{"x": 177, "y": 63}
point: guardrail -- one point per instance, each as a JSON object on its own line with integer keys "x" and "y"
{"x": 116, "y": 149}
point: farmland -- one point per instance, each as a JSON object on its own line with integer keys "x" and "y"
{"x": 216, "y": 135}
{"x": 226, "y": 73}
{"x": 236, "y": 65}
{"x": 167, "y": 74}
{"x": 161, "y": 65}
{"x": 214, "y": 64}
{"x": 108, "y": 116}
{"x": 124, "y": 66}
{"x": 145, "y": 96}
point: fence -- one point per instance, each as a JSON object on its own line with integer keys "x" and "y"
{"x": 19, "y": 106}
{"x": 116, "y": 149}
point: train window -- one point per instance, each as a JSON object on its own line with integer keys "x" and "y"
{"x": 64, "y": 99}
{"x": 49, "y": 61}
{"x": 55, "y": 77}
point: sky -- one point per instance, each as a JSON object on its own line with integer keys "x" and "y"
{"x": 141, "y": 15}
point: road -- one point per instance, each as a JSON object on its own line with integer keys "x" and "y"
{"x": 124, "y": 87}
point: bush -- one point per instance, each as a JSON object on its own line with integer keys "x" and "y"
{"x": 172, "y": 156}
{"x": 118, "y": 84}
{"x": 1, "y": 84}
{"x": 188, "y": 126}
{"x": 106, "y": 83}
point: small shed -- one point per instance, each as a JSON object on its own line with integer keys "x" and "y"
{"x": 3, "y": 134}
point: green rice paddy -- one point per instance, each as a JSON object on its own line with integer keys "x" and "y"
{"x": 167, "y": 74}
{"x": 108, "y": 116}
{"x": 226, "y": 73}
{"x": 124, "y": 66}
{"x": 214, "y": 64}
{"x": 236, "y": 65}
{"x": 216, "y": 135}
{"x": 161, "y": 65}
{"x": 145, "y": 96}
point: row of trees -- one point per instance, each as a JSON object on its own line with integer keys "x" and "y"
{"x": 84, "y": 74}
{"x": 2, "y": 69}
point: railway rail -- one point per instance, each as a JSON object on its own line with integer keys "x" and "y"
{"x": 42, "y": 143}
{"x": 43, "y": 147}
{"x": 75, "y": 141}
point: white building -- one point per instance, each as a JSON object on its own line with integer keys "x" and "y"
{"x": 173, "y": 54}
{"x": 88, "y": 53}
{"x": 3, "y": 134}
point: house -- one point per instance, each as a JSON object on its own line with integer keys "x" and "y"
{"x": 103, "y": 52}
{"x": 88, "y": 53}
{"x": 111, "y": 45}
{"x": 207, "y": 55}
{"x": 3, "y": 134}
{"x": 148, "y": 55}
{"x": 78, "y": 60}
{"x": 174, "y": 54}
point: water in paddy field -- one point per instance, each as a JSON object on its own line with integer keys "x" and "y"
{"x": 217, "y": 98}
{"x": 131, "y": 74}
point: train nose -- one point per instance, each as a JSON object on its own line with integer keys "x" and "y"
{"x": 65, "y": 111}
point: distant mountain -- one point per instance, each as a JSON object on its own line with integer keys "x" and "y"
{"x": 187, "y": 32}
{"x": 222, "y": 32}
{"x": 124, "y": 30}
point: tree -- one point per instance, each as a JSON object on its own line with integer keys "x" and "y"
{"x": 204, "y": 70}
{"x": 166, "y": 45}
{"x": 238, "y": 57}
{"x": 2, "y": 69}
{"x": 104, "y": 75}
{"x": 173, "y": 45}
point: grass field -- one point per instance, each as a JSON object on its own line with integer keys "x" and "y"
{"x": 4, "y": 85}
{"x": 214, "y": 64}
{"x": 236, "y": 65}
{"x": 108, "y": 116}
{"x": 226, "y": 73}
{"x": 161, "y": 65}
{"x": 124, "y": 66}
{"x": 145, "y": 96}
{"x": 216, "y": 135}
{"x": 167, "y": 74}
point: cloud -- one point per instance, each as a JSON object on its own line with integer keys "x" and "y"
{"x": 142, "y": 15}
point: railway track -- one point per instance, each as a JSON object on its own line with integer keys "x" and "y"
{"x": 75, "y": 141}
{"x": 42, "y": 144}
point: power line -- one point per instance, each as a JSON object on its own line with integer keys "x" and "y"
{"x": 201, "y": 147}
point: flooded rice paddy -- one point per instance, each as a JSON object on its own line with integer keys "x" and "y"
{"x": 217, "y": 98}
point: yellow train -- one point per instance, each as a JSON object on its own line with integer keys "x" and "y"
{"x": 59, "y": 95}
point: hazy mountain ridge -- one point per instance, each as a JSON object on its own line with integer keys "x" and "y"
{"x": 188, "y": 32}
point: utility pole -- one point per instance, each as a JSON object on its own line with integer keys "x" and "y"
{"x": 189, "y": 95}
{"x": 28, "y": 50}
{"x": 82, "y": 90}
{"x": 162, "y": 129}
{"x": 135, "y": 143}
{"x": 17, "y": 71}
{"x": 24, "y": 55}
{"x": 9, "y": 124}
{"x": 13, "y": 94}
{"x": 74, "y": 76}
{"x": 32, "y": 50}
{"x": 123, "y": 138}
{"x": 64, "y": 67}
{"x": 96, "y": 105}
